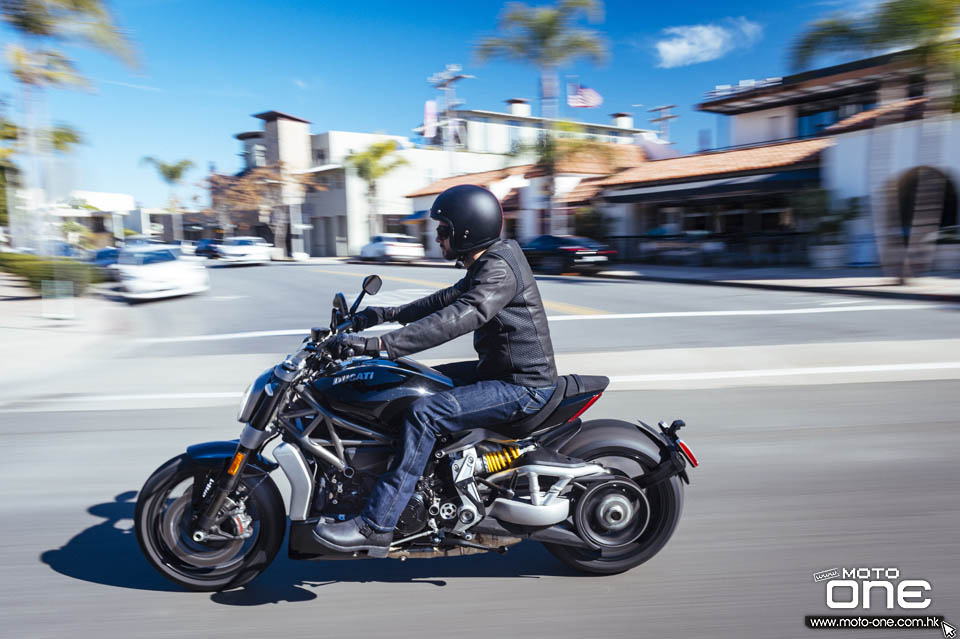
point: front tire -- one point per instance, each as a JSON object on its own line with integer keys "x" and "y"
{"x": 619, "y": 445}
{"x": 162, "y": 525}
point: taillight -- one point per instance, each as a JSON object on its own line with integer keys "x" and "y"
{"x": 611, "y": 252}
{"x": 572, "y": 249}
{"x": 688, "y": 453}
{"x": 588, "y": 405}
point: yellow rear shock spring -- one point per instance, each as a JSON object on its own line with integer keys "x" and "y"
{"x": 501, "y": 459}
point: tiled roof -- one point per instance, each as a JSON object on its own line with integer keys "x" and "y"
{"x": 734, "y": 161}
{"x": 893, "y": 112}
{"x": 484, "y": 178}
{"x": 592, "y": 162}
{"x": 582, "y": 192}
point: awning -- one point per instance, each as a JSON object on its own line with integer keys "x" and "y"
{"x": 416, "y": 217}
{"x": 724, "y": 187}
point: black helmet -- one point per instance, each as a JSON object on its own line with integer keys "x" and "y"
{"x": 474, "y": 216}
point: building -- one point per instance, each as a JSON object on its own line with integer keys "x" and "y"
{"x": 810, "y": 130}
{"x": 860, "y": 131}
{"x": 522, "y": 188}
{"x": 335, "y": 217}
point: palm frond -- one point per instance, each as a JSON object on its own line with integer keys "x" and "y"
{"x": 830, "y": 35}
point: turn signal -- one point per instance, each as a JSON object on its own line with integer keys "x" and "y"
{"x": 235, "y": 464}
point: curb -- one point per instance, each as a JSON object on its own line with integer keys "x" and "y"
{"x": 939, "y": 297}
{"x": 771, "y": 286}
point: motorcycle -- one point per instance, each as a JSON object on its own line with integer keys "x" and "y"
{"x": 603, "y": 496}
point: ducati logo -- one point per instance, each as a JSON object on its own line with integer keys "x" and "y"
{"x": 352, "y": 377}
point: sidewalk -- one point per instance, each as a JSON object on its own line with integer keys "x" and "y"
{"x": 846, "y": 281}
{"x": 34, "y": 346}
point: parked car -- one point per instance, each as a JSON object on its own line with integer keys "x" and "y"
{"x": 562, "y": 253}
{"x": 245, "y": 250}
{"x": 386, "y": 247}
{"x": 206, "y": 248}
{"x": 155, "y": 271}
{"x": 103, "y": 259}
{"x": 59, "y": 248}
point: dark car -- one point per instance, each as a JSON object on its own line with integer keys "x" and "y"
{"x": 207, "y": 248}
{"x": 563, "y": 253}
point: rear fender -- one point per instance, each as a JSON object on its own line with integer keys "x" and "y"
{"x": 603, "y": 433}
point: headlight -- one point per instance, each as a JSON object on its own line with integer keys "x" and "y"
{"x": 243, "y": 403}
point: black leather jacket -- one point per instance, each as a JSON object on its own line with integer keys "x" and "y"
{"x": 499, "y": 300}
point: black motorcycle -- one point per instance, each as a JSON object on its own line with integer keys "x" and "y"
{"x": 603, "y": 495}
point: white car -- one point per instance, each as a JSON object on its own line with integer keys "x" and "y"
{"x": 392, "y": 246}
{"x": 245, "y": 250}
{"x": 155, "y": 271}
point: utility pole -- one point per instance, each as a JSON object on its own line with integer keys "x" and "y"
{"x": 444, "y": 82}
{"x": 663, "y": 119}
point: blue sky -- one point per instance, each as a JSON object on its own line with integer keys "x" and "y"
{"x": 362, "y": 66}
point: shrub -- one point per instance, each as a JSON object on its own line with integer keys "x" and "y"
{"x": 36, "y": 269}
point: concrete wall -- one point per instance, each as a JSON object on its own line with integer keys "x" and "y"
{"x": 864, "y": 163}
{"x": 763, "y": 126}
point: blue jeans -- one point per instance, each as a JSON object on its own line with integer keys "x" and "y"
{"x": 470, "y": 404}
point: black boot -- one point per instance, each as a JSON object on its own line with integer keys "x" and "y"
{"x": 352, "y": 535}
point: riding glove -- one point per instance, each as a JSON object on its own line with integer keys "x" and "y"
{"x": 346, "y": 345}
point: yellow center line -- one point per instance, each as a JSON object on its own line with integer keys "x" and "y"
{"x": 550, "y": 305}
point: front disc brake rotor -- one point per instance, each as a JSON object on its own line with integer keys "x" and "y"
{"x": 210, "y": 554}
{"x": 612, "y": 513}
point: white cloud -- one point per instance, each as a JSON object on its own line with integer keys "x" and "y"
{"x": 139, "y": 87}
{"x": 704, "y": 42}
{"x": 300, "y": 83}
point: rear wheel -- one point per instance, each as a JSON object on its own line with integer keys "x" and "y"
{"x": 631, "y": 525}
{"x": 163, "y": 524}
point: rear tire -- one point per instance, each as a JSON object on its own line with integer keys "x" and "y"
{"x": 163, "y": 507}
{"x": 620, "y": 445}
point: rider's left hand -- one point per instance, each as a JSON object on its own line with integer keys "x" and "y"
{"x": 357, "y": 345}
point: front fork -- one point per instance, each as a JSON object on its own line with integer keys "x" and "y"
{"x": 226, "y": 483}
{"x": 251, "y": 440}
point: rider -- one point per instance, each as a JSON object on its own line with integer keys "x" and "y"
{"x": 499, "y": 301}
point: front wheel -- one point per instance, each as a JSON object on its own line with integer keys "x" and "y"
{"x": 621, "y": 447}
{"x": 163, "y": 524}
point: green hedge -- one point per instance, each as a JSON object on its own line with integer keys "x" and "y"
{"x": 36, "y": 269}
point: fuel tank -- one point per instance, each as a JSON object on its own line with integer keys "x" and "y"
{"x": 378, "y": 390}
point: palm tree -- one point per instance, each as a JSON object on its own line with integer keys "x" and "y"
{"x": 546, "y": 38}
{"x": 371, "y": 164}
{"x": 550, "y": 153}
{"x": 36, "y": 64}
{"x": 172, "y": 174}
{"x": 927, "y": 30}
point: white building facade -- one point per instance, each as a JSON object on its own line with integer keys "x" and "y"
{"x": 334, "y": 219}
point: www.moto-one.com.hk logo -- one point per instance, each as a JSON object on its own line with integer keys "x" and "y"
{"x": 860, "y": 587}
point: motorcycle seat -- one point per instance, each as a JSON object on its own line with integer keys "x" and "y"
{"x": 571, "y": 392}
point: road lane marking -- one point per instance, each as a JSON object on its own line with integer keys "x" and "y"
{"x": 162, "y": 401}
{"x": 779, "y": 311}
{"x": 786, "y": 372}
{"x": 563, "y": 318}
{"x": 560, "y": 307}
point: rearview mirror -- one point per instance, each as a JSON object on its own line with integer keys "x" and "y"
{"x": 371, "y": 284}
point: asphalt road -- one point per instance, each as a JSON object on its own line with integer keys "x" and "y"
{"x": 827, "y": 439}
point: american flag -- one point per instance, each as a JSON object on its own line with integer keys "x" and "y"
{"x": 584, "y": 97}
